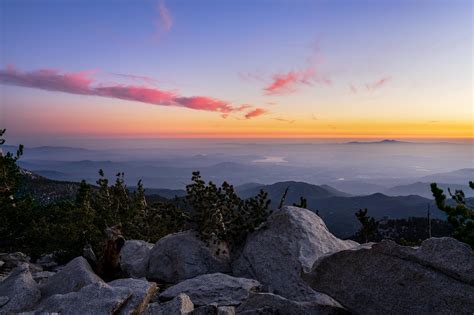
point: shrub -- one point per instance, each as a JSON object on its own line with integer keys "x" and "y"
{"x": 461, "y": 216}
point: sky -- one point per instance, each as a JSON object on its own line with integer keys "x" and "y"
{"x": 236, "y": 69}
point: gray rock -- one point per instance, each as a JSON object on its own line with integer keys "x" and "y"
{"x": 142, "y": 292}
{"x": 226, "y": 310}
{"x": 4, "y": 300}
{"x": 96, "y": 298}
{"x": 72, "y": 277}
{"x": 134, "y": 257}
{"x": 444, "y": 254}
{"x": 269, "y": 303}
{"x": 42, "y": 276}
{"x": 181, "y": 256}
{"x": 19, "y": 291}
{"x": 215, "y": 288}
{"x": 392, "y": 279}
{"x": 13, "y": 260}
{"x": 292, "y": 240}
{"x": 47, "y": 262}
{"x": 89, "y": 255}
{"x": 210, "y": 309}
{"x": 180, "y": 305}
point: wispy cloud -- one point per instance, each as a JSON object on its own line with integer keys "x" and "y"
{"x": 82, "y": 83}
{"x": 141, "y": 78}
{"x": 252, "y": 76}
{"x": 285, "y": 83}
{"x": 353, "y": 88}
{"x": 255, "y": 113}
{"x": 164, "y": 21}
{"x": 290, "y": 121}
{"x": 378, "y": 84}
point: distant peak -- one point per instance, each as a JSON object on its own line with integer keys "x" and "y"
{"x": 385, "y": 141}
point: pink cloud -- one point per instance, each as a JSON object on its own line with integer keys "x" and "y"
{"x": 82, "y": 83}
{"x": 255, "y": 113}
{"x": 205, "y": 103}
{"x": 136, "y": 93}
{"x": 378, "y": 84}
{"x": 284, "y": 83}
{"x": 48, "y": 79}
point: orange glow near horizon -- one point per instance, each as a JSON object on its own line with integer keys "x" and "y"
{"x": 173, "y": 124}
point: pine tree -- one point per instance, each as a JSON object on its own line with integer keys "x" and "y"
{"x": 303, "y": 203}
{"x": 461, "y": 216}
{"x": 369, "y": 229}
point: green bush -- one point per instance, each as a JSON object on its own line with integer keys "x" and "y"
{"x": 219, "y": 214}
{"x": 65, "y": 227}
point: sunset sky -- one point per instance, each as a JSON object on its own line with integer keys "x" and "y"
{"x": 237, "y": 69}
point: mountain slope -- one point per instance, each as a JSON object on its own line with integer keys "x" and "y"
{"x": 295, "y": 191}
{"x": 461, "y": 176}
{"x": 423, "y": 189}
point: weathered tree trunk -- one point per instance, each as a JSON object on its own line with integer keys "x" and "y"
{"x": 108, "y": 266}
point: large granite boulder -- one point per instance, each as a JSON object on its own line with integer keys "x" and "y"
{"x": 445, "y": 254}
{"x": 181, "y": 256}
{"x": 96, "y": 298}
{"x": 134, "y": 257}
{"x": 215, "y": 288}
{"x": 269, "y": 303}
{"x": 18, "y": 292}
{"x": 290, "y": 242}
{"x": 142, "y": 292}
{"x": 435, "y": 278}
{"x": 72, "y": 277}
{"x": 180, "y": 305}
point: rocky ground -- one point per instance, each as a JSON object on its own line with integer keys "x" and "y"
{"x": 292, "y": 265}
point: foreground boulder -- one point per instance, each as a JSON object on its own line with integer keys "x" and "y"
{"x": 134, "y": 257}
{"x": 18, "y": 292}
{"x": 181, "y": 256}
{"x": 180, "y": 305}
{"x": 214, "y": 288}
{"x": 445, "y": 254}
{"x": 96, "y": 298}
{"x": 268, "y": 303}
{"x": 142, "y": 292}
{"x": 389, "y": 278}
{"x": 75, "y": 275}
{"x": 292, "y": 240}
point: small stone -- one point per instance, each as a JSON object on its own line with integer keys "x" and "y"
{"x": 142, "y": 292}
{"x": 180, "y": 305}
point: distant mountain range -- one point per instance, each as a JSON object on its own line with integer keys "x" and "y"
{"x": 337, "y": 208}
{"x": 423, "y": 189}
